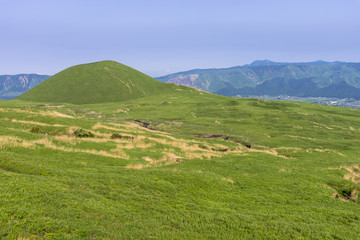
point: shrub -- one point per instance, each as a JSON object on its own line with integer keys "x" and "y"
{"x": 35, "y": 129}
{"x": 219, "y": 149}
{"x": 83, "y": 133}
{"x": 203, "y": 146}
{"x": 117, "y": 135}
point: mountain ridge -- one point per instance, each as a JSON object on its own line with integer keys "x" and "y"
{"x": 227, "y": 81}
{"x": 12, "y": 86}
{"x": 235, "y": 80}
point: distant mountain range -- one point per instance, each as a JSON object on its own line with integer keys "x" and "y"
{"x": 264, "y": 77}
{"x": 12, "y": 86}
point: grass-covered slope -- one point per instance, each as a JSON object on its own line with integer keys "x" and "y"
{"x": 179, "y": 166}
{"x": 105, "y": 81}
{"x": 148, "y": 160}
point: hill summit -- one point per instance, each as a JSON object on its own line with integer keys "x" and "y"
{"x": 105, "y": 81}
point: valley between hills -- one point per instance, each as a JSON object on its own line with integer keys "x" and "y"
{"x": 102, "y": 151}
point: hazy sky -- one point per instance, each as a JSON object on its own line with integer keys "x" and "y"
{"x": 163, "y": 36}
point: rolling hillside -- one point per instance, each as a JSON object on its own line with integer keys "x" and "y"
{"x": 316, "y": 79}
{"x": 172, "y": 162}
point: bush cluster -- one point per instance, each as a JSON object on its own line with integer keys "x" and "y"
{"x": 81, "y": 133}
{"x": 35, "y": 129}
{"x": 118, "y": 135}
{"x": 203, "y": 146}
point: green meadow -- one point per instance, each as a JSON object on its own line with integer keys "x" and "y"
{"x": 178, "y": 164}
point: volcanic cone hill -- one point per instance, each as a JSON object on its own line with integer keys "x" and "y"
{"x": 99, "y": 82}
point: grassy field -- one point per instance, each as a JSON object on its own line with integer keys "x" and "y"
{"x": 189, "y": 165}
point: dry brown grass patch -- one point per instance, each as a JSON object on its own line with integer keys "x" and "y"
{"x": 53, "y": 106}
{"x": 43, "y": 113}
{"x": 133, "y": 127}
{"x": 54, "y": 114}
{"x": 168, "y": 158}
{"x": 354, "y": 173}
{"x": 6, "y": 141}
{"x": 18, "y": 130}
{"x": 122, "y": 110}
{"x": 269, "y": 151}
{"x": 299, "y": 137}
{"x": 229, "y": 180}
{"x": 99, "y": 125}
{"x": 71, "y": 129}
{"x": 137, "y": 166}
{"x": 27, "y": 238}
{"x": 138, "y": 145}
{"x": 322, "y": 125}
{"x": 119, "y": 151}
{"x": 325, "y": 150}
{"x": 68, "y": 139}
{"x": 96, "y": 139}
{"x": 36, "y": 123}
{"x": 289, "y": 148}
{"x": 203, "y": 155}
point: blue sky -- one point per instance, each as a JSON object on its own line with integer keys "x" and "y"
{"x": 164, "y": 36}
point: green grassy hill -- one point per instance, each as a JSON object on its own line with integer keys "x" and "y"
{"x": 105, "y": 81}
{"x": 179, "y": 164}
